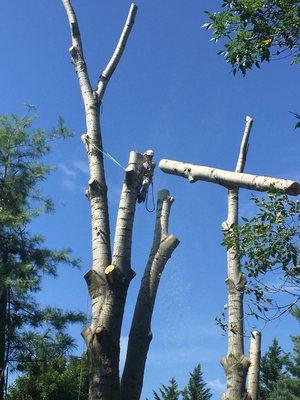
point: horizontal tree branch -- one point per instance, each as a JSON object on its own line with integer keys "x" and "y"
{"x": 229, "y": 179}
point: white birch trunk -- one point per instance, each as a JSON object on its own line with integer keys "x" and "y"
{"x": 253, "y": 373}
{"x": 235, "y": 363}
{"x": 106, "y": 282}
{"x": 140, "y": 333}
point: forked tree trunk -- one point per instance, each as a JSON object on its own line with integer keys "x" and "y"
{"x": 110, "y": 275}
{"x": 108, "y": 278}
{"x": 140, "y": 333}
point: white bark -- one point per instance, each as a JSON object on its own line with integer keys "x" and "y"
{"x": 253, "y": 373}
{"x": 113, "y": 62}
{"x": 124, "y": 224}
{"x": 240, "y": 165}
{"x": 97, "y": 191}
{"x": 140, "y": 333}
{"x": 107, "y": 286}
{"x": 228, "y": 179}
{"x": 235, "y": 363}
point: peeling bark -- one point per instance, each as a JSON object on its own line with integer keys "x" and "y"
{"x": 140, "y": 333}
{"x": 253, "y": 373}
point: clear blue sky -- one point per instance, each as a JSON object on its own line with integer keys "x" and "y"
{"x": 171, "y": 92}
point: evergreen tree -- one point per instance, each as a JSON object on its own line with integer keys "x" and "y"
{"x": 50, "y": 373}
{"x": 288, "y": 387}
{"x": 196, "y": 388}
{"x": 272, "y": 369}
{"x": 24, "y": 259}
{"x": 169, "y": 392}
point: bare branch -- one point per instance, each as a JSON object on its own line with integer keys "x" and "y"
{"x": 76, "y": 51}
{"x": 229, "y": 179}
{"x": 114, "y": 61}
{"x": 244, "y": 146}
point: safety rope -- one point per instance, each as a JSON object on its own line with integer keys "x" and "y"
{"x": 108, "y": 155}
{"x": 105, "y": 153}
{"x": 152, "y": 198}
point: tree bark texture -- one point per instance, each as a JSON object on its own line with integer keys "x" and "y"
{"x": 103, "y": 336}
{"x": 109, "y": 276}
{"x": 235, "y": 363}
{"x": 253, "y": 373}
{"x": 229, "y": 179}
{"x": 140, "y": 333}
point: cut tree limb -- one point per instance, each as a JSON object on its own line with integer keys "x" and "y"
{"x": 235, "y": 363}
{"x": 253, "y": 373}
{"x": 126, "y": 212}
{"x": 229, "y": 179}
{"x": 140, "y": 333}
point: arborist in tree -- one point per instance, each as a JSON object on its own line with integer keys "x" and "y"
{"x": 147, "y": 175}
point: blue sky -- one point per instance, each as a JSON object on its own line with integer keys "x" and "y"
{"x": 171, "y": 92}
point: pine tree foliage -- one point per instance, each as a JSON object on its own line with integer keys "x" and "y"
{"x": 51, "y": 375}
{"x": 169, "y": 392}
{"x": 24, "y": 259}
{"x": 196, "y": 388}
{"x": 288, "y": 388}
{"x": 272, "y": 369}
{"x": 280, "y": 373}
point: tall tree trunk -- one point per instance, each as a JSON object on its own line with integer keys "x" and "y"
{"x": 103, "y": 336}
{"x": 108, "y": 278}
{"x": 253, "y": 373}
{"x": 140, "y": 333}
{"x": 235, "y": 363}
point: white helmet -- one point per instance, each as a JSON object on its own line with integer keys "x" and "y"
{"x": 149, "y": 153}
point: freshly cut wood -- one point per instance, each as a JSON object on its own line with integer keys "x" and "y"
{"x": 229, "y": 179}
{"x": 109, "y": 269}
